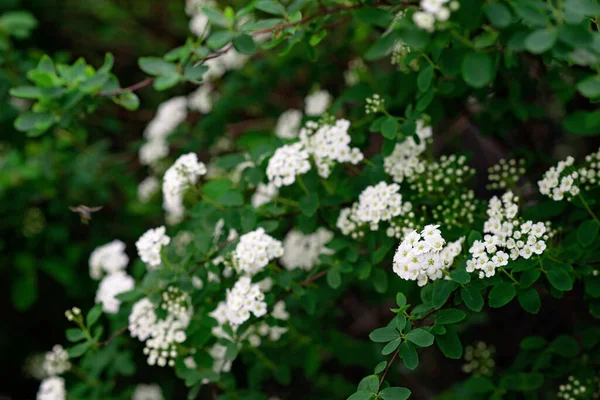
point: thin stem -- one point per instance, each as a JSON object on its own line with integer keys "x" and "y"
{"x": 509, "y": 275}
{"x": 289, "y": 202}
{"x": 587, "y": 207}
{"x": 369, "y": 162}
{"x": 387, "y": 368}
{"x": 327, "y": 186}
{"x": 132, "y": 88}
{"x": 302, "y": 185}
{"x": 213, "y": 202}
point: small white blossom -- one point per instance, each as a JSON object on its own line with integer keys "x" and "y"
{"x": 112, "y": 285}
{"x": 288, "y": 124}
{"x": 243, "y": 300}
{"x": 255, "y": 250}
{"x": 181, "y": 175}
{"x": 147, "y": 392}
{"x": 52, "y": 388}
{"x": 150, "y": 244}
{"x": 302, "y": 251}
{"x": 288, "y": 162}
{"x": 317, "y": 103}
{"x": 201, "y": 100}
{"x": 279, "y": 311}
{"x": 108, "y": 258}
{"x": 56, "y": 362}
{"x": 199, "y": 24}
{"x": 147, "y": 188}
{"x": 404, "y": 161}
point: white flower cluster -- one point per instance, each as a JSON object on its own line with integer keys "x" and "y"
{"x": 112, "y": 285}
{"x": 181, "y": 175}
{"x": 52, "y": 388}
{"x": 147, "y": 188}
{"x": 220, "y": 362}
{"x": 505, "y": 174}
{"x": 374, "y": 104}
{"x": 218, "y": 66}
{"x": 147, "y": 392}
{"x": 303, "y": 251}
{"x": 439, "y": 176}
{"x": 287, "y": 162}
{"x": 479, "y": 359}
{"x": 254, "y": 251}
{"x": 377, "y": 203}
{"x": 432, "y": 11}
{"x": 56, "y": 362}
{"x": 577, "y": 389}
{"x": 560, "y": 181}
{"x": 399, "y": 53}
{"x": 264, "y": 194}
{"x": 201, "y": 99}
{"x": 317, "y": 103}
{"x": 404, "y": 161}
{"x": 589, "y": 174}
{"x": 161, "y": 335}
{"x": 150, "y": 244}
{"x": 330, "y": 144}
{"x": 288, "y": 124}
{"x": 420, "y": 256}
{"x": 108, "y": 258}
{"x": 504, "y": 234}
{"x": 244, "y": 299}
{"x": 169, "y": 115}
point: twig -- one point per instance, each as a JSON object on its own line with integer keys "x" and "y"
{"x": 132, "y": 88}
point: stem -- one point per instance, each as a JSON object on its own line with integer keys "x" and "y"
{"x": 369, "y": 162}
{"x": 302, "y": 185}
{"x": 211, "y": 201}
{"x": 289, "y": 202}
{"x": 133, "y": 88}
{"x": 327, "y": 186}
{"x": 587, "y": 207}
{"x": 387, "y": 369}
{"x": 509, "y": 275}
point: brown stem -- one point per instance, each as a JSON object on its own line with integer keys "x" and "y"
{"x": 113, "y": 336}
{"x": 133, "y": 88}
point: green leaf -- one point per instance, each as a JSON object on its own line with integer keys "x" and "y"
{"x": 26, "y": 92}
{"x": 194, "y": 73}
{"x": 583, "y": 123}
{"x": 587, "y": 232}
{"x": 93, "y": 315}
{"x": 380, "y": 280}
{"x": 380, "y": 367}
{"x": 498, "y": 14}
{"x": 157, "y": 66}
{"x": 216, "y": 17}
{"x": 533, "y": 343}
{"x": 480, "y": 384}
{"x": 165, "y": 82}
{"x": 334, "y": 278}
{"x": 472, "y": 298}
{"x": 232, "y": 351}
{"x": 244, "y": 44}
{"x": 401, "y": 299}
{"x": 372, "y": 383}
{"x": 531, "y": 14}
{"x": 361, "y": 395}
{"x": 309, "y": 204}
{"x": 129, "y": 100}
{"x": 425, "y": 78}
{"x": 565, "y": 346}
{"x": 391, "y": 346}
{"x": 395, "y": 393}
{"x": 590, "y": 86}
{"x": 231, "y": 199}
{"x": 460, "y": 276}
{"x": 389, "y": 128}
{"x": 474, "y": 236}
{"x": 218, "y": 39}
{"x": 384, "y": 335}
{"x": 400, "y": 322}
{"x": 270, "y": 6}
{"x": 374, "y": 16}
{"x": 449, "y": 316}
{"x": 529, "y": 277}
{"x": 75, "y": 335}
{"x": 17, "y": 23}
{"x": 34, "y": 123}
{"x": 79, "y": 349}
{"x": 540, "y": 41}
{"x": 574, "y": 35}
{"x": 420, "y": 337}
{"x": 478, "y": 69}
{"x": 381, "y": 47}
{"x": 442, "y": 290}
{"x": 501, "y": 294}
{"x": 560, "y": 279}
{"x": 409, "y": 355}
{"x": 529, "y": 299}
{"x": 449, "y": 344}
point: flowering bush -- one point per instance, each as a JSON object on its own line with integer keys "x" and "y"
{"x": 307, "y": 210}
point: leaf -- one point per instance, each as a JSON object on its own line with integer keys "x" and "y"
{"x": 533, "y": 343}
{"x": 129, "y": 100}
{"x": 34, "y": 123}
{"x": 590, "y": 86}
{"x": 26, "y": 92}
{"x": 165, "y": 82}
{"x": 442, "y": 291}
{"x": 449, "y": 316}
{"x": 381, "y": 47}
{"x": 244, "y": 44}
{"x": 231, "y": 199}
{"x": 498, "y": 14}
{"x": 194, "y": 73}
{"x": 460, "y": 276}
{"x": 409, "y": 355}
{"x": 474, "y": 236}
{"x": 380, "y": 367}
{"x": 93, "y": 315}
{"x": 391, "y": 346}
{"x": 400, "y": 322}
{"x": 361, "y": 395}
{"x": 449, "y": 344}
{"x": 529, "y": 299}
{"x": 380, "y": 280}
{"x": 420, "y": 337}
{"x": 401, "y": 299}
{"x": 560, "y": 279}
{"x": 384, "y": 335}
{"x": 270, "y": 7}
{"x": 216, "y": 17}
{"x": 531, "y": 14}
{"x": 374, "y": 16}
{"x": 480, "y": 384}
{"x": 309, "y": 204}
{"x": 218, "y": 39}
{"x": 75, "y": 335}
{"x": 501, "y": 294}
{"x": 574, "y": 35}
{"x": 477, "y": 69}
{"x": 472, "y": 298}
{"x": 334, "y": 278}
{"x": 425, "y": 78}
{"x": 540, "y": 41}
{"x": 79, "y": 349}
{"x": 157, "y": 66}
{"x": 232, "y": 351}
{"x": 565, "y": 346}
{"x": 529, "y": 277}
{"x": 389, "y": 128}
{"x": 395, "y": 393}
{"x": 587, "y": 232}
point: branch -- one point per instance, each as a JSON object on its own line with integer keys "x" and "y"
{"x": 133, "y": 88}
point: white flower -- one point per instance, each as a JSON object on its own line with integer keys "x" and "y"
{"x": 255, "y": 250}
{"x": 147, "y": 392}
{"x": 56, "y": 362}
{"x": 317, "y": 103}
{"x": 193, "y": 7}
{"x": 147, "y": 188}
{"x": 264, "y": 194}
{"x": 279, "y": 311}
{"x": 243, "y": 300}
{"x": 287, "y": 162}
{"x": 150, "y": 244}
{"x": 181, "y": 175}
{"x": 152, "y": 151}
{"x": 199, "y": 24}
{"x": 169, "y": 115}
{"x": 220, "y": 362}
{"x": 52, "y": 388}
{"x": 424, "y": 20}
{"x": 302, "y": 251}
{"x": 108, "y": 258}
{"x": 378, "y": 203}
{"x": 200, "y": 100}
{"x": 112, "y": 285}
{"x": 288, "y": 124}
{"x": 404, "y": 161}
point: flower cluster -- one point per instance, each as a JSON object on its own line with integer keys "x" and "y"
{"x": 506, "y": 237}
{"x": 576, "y": 389}
{"x": 404, "y": 161}
{"x": 168, "y": 117}
{"x": 479, "y": 359}
{"x": 244, "y": 299}
{"x": 374, "y": 104}
{"x": 264, "y": 194}
{"x": 254, "y": 251}
{"x": 288, "y": 124}
{"x": 112, "y": 285}
{"x": 589, "y": 174}
{"x": 317, "y": 103}
{"x": 505, "y": 174}
{"x": 52, "y": 388}
{"x": 181, "y": 175}
{"x": 438, "y": 176}
{"x": 108, "y": 258}
{"x": 560, "y": 181}
{"x": 56, "y": 362}
{"x": 330, "y": 144}
{"x": 456, "y": 208}
{"x": 303, "y": 251}
{"x": 420, "y": 256}
{"x": 399, "y": 53}
{"x": 150, "y": 244}
{"x": 288, "y": 162}
{"x": 147, "y": 188}
{"x": 161, "y": 336}
{"x": 377, "y": 203}
{"x": 432, "y": 11}
{"x": 201, "y": 99}
{"x": 147, "y": 392}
